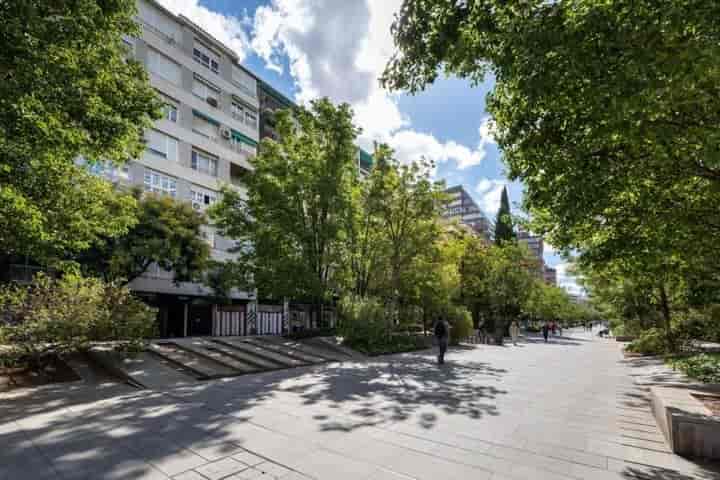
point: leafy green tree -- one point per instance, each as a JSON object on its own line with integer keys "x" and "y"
{"x": 168, "y": 233}
{"x": 292, "y": 225}
{"x": 407, "y": 206}
{"x": 67, "y": 90}
{"x": 615, "y": 143}
{"x": 504, "y": 231}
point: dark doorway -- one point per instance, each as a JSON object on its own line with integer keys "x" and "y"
{"x": 175, "y": 319}
{"x": 200, "y": 320}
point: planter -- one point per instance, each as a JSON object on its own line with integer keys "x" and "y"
{"x": 624, "y": 338}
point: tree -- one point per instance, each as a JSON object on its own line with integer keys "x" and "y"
{"x": 498, "y": 280}
{"x": 292, "y": 226}
{"x": 67, "y": 90}
{"x": 168, "y": 233}
{"x": 503, "y": 224}
{"x": 407, "y": 206}
{"x": 615, "y": 143}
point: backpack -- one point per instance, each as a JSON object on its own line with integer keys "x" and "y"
{"x": 440, "y": 329}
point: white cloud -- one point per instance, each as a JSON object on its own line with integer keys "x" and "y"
{"x": 490, "y": 192}
{"x": 339, "y": 49}
{"x": 227, "y": 29}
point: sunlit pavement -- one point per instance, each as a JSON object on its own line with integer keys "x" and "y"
{"x": 566, "y": 409}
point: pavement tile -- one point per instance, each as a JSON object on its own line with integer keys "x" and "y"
{"x": 221, "y": 468}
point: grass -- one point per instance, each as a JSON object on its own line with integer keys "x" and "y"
{"x": 704, "y": 367}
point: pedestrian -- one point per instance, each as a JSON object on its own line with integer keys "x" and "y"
{"x": 546, "y": 331}
{"x": 560, "y": 329}
{"x": 514, "y": 331}
{"x": 441, "y": 335}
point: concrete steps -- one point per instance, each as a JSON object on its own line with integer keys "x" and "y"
{"x": 277, "y": 345}
{"x": 210, "y": 350}
{"x": 258, "y": 350}
{"x": 201, "y": 367}
{"x": 252, "y": 359}
{"x": 324, "y": 355}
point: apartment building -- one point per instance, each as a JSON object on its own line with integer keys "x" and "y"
{"x": 536, "y": 245}
{"x": 206, "y": 140}
{"x": 550, "y": 276}
{"x": 462, "y": 207}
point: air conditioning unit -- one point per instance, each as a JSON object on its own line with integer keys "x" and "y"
{"x": 212, "y": 101}
{"x": 224, "y": 132}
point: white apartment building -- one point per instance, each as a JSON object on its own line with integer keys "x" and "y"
{"x": 207, "y": 138}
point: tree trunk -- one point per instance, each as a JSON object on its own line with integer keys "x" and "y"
{"x": 665, "y": 309}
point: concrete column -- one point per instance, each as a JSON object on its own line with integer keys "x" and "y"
{"x": 185, "y": 320}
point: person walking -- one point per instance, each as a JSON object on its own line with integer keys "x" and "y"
{"x": 546, "y": 331}
{"x": 514, "y": 331}
{"x": 441, "y": 335}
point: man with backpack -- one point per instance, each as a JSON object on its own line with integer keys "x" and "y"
{"x": 441, "y": 335}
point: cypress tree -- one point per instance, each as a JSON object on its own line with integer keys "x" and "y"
{"x": 503, "y": 224}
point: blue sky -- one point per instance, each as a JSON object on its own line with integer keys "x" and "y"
{"x": 337, "y": 48}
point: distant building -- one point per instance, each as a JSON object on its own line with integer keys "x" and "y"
{"x": 550, "y": 275}
{"x": 536, "y": 246}
{"x": 463, "y": 208}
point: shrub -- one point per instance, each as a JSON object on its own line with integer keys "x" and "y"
{"x": 311, "y": 333}
{"x": 703, "y": 366}
{"x": 363, "y": 322}
{"x": 461, "y": 324}
{"x": 700, "y": 324}
{"x": 66, "y": 314}
{"x": 650, "y": 342}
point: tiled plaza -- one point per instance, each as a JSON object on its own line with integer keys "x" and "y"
{"x": 570, "y": 409}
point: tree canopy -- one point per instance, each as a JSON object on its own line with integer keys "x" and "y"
{"x": 504, "y": 231}
{"x": 607, "y": 111}
{"x": 291, "y": 226}
{"x": 67, "y": 90}
{"x": 167, "y": 232}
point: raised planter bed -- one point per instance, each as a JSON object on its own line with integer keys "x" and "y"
{"x": 687, "y": 422}
{"x": 624, "y": 338}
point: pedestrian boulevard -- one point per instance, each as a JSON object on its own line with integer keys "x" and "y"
{"x": 568, "y": 409}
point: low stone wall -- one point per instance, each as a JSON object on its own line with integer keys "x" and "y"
{"x": 688, "y": 426}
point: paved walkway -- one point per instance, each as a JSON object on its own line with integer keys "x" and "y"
{"x": 565, "y": 410}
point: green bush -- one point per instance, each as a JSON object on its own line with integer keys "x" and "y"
{"x": 311, "y": 333}
{"x": 365, "y": 325}
{"x": 66, "y": 314}
{"x": 703, "y": 366}
{"x": 650, "y": 342}
{"x": 461, "y": 324}
{"x": 700, "y": 324}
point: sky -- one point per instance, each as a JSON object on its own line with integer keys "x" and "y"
{"x": 338, "y": 48}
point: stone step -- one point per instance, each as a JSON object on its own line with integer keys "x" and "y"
{"x": 201, "y": 367}
{"x": 325, "y": 355}
{"x": 242, "y": 345}
{"x": 277, "y": 345}
{"x": 251, "y": 359}
{"x": 211, "y": 351}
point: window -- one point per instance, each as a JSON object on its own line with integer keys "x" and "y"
{"x": 204, "y": 163}
{"x": 171, "y": 112}
{"x": 206, "y": 57}
{"x": 240, "y": 146}
{"x": 160, "y": 144}
{"x": 201, "y": 198}
{"x": 244, "y": 81}
{"x": 204, "y": 127}
{"x": 161, "y": 65}
{"x": 158, "y": 22}
{"x": 106, "y": 169}
{"x": 158, "y": 183}
{"x": 206, "y": 91}
{"x": 251, "y": 119}
{"x": 237, "y": 111}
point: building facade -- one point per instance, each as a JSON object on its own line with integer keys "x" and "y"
{"x": 205, "y": 141}
{"x": 550, "y": 276}
{"x": 462, "y": 207}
